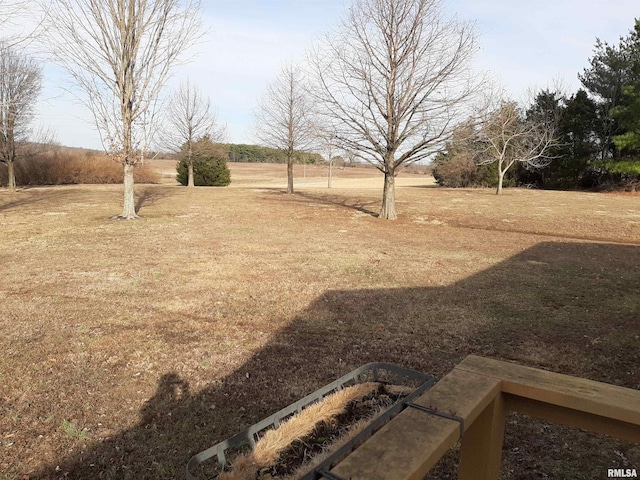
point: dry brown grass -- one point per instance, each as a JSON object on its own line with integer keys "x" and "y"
{"x": 127, "y": 347}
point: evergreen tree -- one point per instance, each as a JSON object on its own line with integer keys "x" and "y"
{"x": 613, "y": 78}
{"x": 579, "y": 126}
{"x": 209, "y": 165}
{"x": 628, "y": 116}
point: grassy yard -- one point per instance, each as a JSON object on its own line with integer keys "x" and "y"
{"x": 127, "y": 347}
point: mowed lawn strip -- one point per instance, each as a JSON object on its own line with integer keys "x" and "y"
{"x": 127, "y": 347}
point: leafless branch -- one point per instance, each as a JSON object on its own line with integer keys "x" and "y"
{"x": 21, "y": 23}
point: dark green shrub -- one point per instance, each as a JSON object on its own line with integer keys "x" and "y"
{"x": 209, "y": 166}
{"x": 210, "y": 172}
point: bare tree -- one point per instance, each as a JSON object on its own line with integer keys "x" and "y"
{"x": 283, "y": 120}
{"x": 190, "y": 118}
{"x": 505, "y": 137}
{"x": 120, "y": 54}
{"x": 351, "y": 159}
{"x": 326, "y": 142}
{"x": 20, "y": 85}
{"x": 329, "y": 144}
{"x": 330, "y": 148}
{"x": 392, "y": 80}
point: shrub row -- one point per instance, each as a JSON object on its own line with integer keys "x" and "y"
{"x": 66, "y": 168}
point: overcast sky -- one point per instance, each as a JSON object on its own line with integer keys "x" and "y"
{"x": 524, "y": 44}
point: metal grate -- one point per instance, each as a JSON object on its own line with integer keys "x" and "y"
{"x": 372, "y": 372}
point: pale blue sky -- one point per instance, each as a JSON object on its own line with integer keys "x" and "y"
{"x": 523, "y": 44}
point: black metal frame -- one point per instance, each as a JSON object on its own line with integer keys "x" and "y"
{"x": 377, "y": 372}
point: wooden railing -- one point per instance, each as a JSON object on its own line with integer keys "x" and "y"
{"x": 475, "y": 397}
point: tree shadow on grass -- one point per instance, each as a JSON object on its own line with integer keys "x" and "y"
{"x": 568, "y": 307}
{"x": 147, "y": 196}
{"x": 342, "y": 201}
{"x": 433, "y": 186}
{"x": 32, "y": 196}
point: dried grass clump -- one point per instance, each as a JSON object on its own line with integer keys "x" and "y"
{"x": 269, "y": 447}
{"x": 351, "y": 432}
{"x": 70, "y": 167}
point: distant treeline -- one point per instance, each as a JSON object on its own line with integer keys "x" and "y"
{"x": 257, "y": 154}
{"x": 235, "y": 153}
{"x": 597, "y": 128}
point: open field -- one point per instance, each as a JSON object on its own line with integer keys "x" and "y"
{"x": 275, "y": 176}
{"x": 127, "y": 347}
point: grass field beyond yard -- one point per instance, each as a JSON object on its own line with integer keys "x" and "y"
{"x": 127, "y": 347}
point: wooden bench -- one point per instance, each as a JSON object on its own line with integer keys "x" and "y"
{"x": 475, "y": 396}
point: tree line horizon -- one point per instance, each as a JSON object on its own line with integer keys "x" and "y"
{"x": 597, "y": 130}
{"x": 391, "y": 85}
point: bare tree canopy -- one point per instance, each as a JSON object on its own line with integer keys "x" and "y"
{"x": 325, "y": 139}
{"x": 20, "y": 85}
{"x": 120, "y": 53}
{"x": 283, "y": 118}
{"x": 393, "y": 81}
{"x": 506, "y": 137}
{"x": 14, "y": 14}
{"x": 9, "y": 10}
{"x": 190, "y": 119}
{"x": 21, "y": 25}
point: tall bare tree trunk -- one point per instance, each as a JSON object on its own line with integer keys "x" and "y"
{"x": 329, "y": 178}
{"x": 500, "y": 179}
{"x": 289, "y": 174}
{"x": 388, "y": 211}
{"x": 499, "y": 189}
{"x": 191, "y": 182}
{"x": 11, "y": 176}
{"x": 129, "y": 209}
